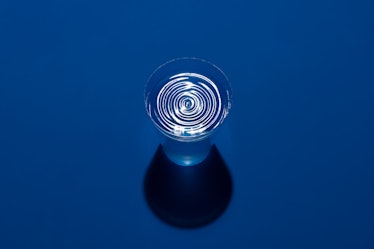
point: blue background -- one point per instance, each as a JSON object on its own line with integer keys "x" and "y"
{"x": 75, "y": 140}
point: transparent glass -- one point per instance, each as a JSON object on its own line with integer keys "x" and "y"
{"x": 187, "y": 100}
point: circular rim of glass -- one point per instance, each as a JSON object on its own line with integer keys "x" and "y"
{"x": 199, "y": 137}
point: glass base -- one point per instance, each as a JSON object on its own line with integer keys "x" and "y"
{"x": 186, "y": 153}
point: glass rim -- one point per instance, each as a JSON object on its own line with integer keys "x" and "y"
{"x": 150, "y": 85}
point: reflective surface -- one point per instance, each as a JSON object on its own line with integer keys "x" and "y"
{"x": 188, "y": 98}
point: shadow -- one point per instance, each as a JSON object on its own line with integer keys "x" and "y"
{"x": 188, "y": 196}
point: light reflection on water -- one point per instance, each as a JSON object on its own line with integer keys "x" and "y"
{"x": 188, "y": 105}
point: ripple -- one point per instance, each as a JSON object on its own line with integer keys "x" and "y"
{"x": 188, "y": 106}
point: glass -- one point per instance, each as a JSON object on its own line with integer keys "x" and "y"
{"x": 187, "y": 100}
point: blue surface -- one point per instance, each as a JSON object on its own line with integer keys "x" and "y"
{"x": 75, "y": 140}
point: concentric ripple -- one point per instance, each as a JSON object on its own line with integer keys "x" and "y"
{"x": 188, "y": 106}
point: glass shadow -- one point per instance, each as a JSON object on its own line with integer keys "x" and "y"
{"x": 188, "y": 197}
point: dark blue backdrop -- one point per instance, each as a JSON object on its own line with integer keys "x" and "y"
{"x": 75, "y": 141}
